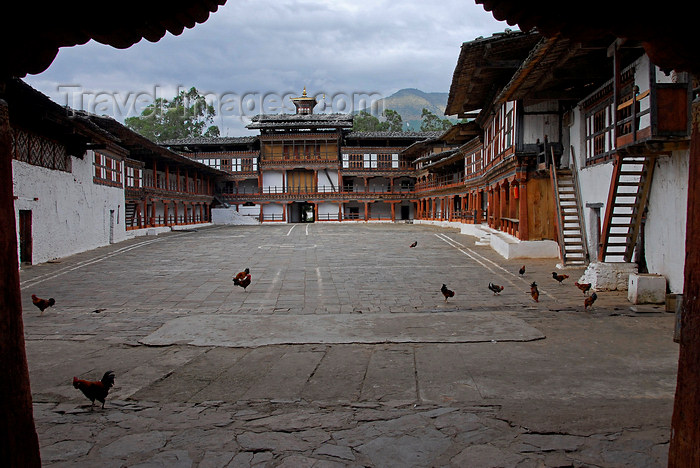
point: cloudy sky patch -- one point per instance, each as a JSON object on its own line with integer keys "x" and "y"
{"x": 267, "y": 49}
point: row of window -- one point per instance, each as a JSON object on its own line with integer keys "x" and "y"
{"x": 371, "y": 161}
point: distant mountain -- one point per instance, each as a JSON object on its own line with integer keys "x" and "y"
{"x": 410, "y": 102}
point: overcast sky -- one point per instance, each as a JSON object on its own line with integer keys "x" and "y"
{"x": 252, "y": 55}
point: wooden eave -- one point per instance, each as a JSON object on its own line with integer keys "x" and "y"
{"x": 33, "y": 33}
{"x": 484, "y": 67}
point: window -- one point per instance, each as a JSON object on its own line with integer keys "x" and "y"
{"x": 134, "y": 177}
{"x": 108, "y": 170}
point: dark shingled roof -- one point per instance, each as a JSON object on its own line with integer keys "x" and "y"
{"x": 390, "y": 135}
{"x": 263, "y": 121}
{"x": 209, "y": 141}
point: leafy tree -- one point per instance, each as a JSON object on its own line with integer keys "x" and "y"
{"x": 394, "y": 121}
{"x": 432, "y": 123}
{"x": 366, "y": 122}
{"x": 187, "y": 115}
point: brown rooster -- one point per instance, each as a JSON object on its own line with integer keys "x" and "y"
{"x": 242, "y": 279}
{"x": 496, "y": 288}
{"x": 534, "y": 292}
{"x": 414, "y": 244}
{"x": 522, "y": 270}
{"x": 588, "y": 302}
{"x": 42, "y": 304}
{"x": 584, "y": 287}
{"x": 559, "y": 278}
{"x": 95, "y": 390}
{"x": 446, "y": 292}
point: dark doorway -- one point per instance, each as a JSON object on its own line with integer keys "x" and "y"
{"x": 25, "y": 236}
{"x": 301, "y": 212}
{"x": 405, "y": 212}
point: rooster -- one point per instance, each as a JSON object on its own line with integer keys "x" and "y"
{"x": 522, "y": 270}
{"x": 588, "y": 302}
{"x": 95, "y": 390}
{"x": 242, "y": 279}
{"x": 584, "y": 287}
{"x": 559, "y": 278}
{"x": 534, "y": 292}
{"x": 496, "y": 288}
{"x": 414, "y": 244}
{"x": 42, "y": 304}
{"x": 446, "y": 292}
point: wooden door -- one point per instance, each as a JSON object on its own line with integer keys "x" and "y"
{"x": 25, "y": 236}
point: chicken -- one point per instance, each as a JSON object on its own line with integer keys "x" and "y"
{"x": 42, "y": 304}
{"x": 95, "y": 390}
{"x": 588, "y": 302}
{"x": 534, "y": 292}
{"x": 495, "y": 288}
{"x": 559, "y": 278}
{"x": 584, "y": 287}
{"x": 414, "y": 244}
{"x": 446, "y": 292}
{"x": 242, "y": 279}
{"x": 522, "y": 270}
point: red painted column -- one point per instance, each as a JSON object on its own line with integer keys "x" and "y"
{"x": 685, "y": 424}
{"x": 523, "y": 229}
{"x": 19, "y": 443}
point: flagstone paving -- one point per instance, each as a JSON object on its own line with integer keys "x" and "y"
{"x": 341, "y": 352}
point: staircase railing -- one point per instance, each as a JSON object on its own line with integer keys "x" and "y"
{"x": 560, "y": 219}
{"x": 579, "y": 206}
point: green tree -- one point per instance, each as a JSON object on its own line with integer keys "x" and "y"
{"x": 366, "y": 122}
{"x": 394, "y": 121}
{"x": 187, "y": 115}
{"x": 432, "y": 123}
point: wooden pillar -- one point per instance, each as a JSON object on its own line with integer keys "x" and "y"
{"x": 187, "y": 181}
{"x": 19, "y": 443}
{"x": 167, "y": 177}
{"x": 366, "y": 212}
{"x": 177, "y": 185}
{"x": 685, "y": 424}
{"x": 177, "y": 221}
{"x": 201, "y": 212}
{"x": 153, "y": 212}
{"x": 166, "y": 221}
{"x": 340, "y": 211}
{"x": 393, "y": 212}
{"x": 523, "y": 216}
{"x": 155, "y": 175}
{"x": 284, "y": 212}
{"x": 261, "y": 213}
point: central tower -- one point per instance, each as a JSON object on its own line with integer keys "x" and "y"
{"x": 304, "y": 104}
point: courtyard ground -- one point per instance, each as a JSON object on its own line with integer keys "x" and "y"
{"x": 341, "y": 352}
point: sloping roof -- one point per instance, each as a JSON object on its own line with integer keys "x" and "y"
{"x": 33, "y": 32}
{"x": 263, "y": 121}
{"x": 390, "y": 135}
{"x": 484, "y": 66}
{"x": 668, "y": 31}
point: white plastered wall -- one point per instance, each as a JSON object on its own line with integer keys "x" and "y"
{"x": 664, "y": 233}
{"x": 70, "y": 213}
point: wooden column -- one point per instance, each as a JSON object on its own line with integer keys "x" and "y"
{"x": 261, "y": 213}
{"x": 177, "y": 221}
{"x": 19, "y": 443}
{"x": 284, "y": 212}
{"x": 187, "y": 181}
{"x": 340, "y": 212}
{"x": 523, "y": 218}
{"x": 366, "y": 212}
{"x": 167, "y": 177}
{"x": 393, "y": 211}
{"x": 177, "y": 185}
{"x": 155, "y": 175}
{"x": 166, "y": 222}
{"x": 685, "y": 424}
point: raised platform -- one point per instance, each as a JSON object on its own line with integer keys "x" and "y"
{"x": 248, "y": 331}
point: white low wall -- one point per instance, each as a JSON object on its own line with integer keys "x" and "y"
{"x": 70, "y": 213}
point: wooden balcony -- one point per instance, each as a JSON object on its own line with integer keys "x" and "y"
{"x": 348, "y": 193}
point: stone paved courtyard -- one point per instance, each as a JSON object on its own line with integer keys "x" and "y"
{"x": 341, "y": 352}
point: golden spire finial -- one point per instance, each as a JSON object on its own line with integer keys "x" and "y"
{"x": 304, "y": 93}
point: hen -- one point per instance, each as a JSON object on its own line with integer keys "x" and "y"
{"x": 584, "y": 287}
{"x": 414, "y": 244}
{"x": 242, "y": 279}
{"x": 522, "y": 270}
{"x": 534, "y": 292}
{"x": 588, "y": 302}
{"x": 496, "y": 288}
{"x": 42, "y": 304}
{"x": 559, "y": 278}
{"x": 446, "y": 292}
{"x": 95, "y": 390}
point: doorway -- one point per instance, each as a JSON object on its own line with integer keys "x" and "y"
{"x": 405, "y": 212}
{"x": 301, "y": 212}
{"x": 25, "y": 236}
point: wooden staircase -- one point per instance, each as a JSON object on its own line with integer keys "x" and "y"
{"x": 572, "y": 240}
{"x": 627, "y": 201}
